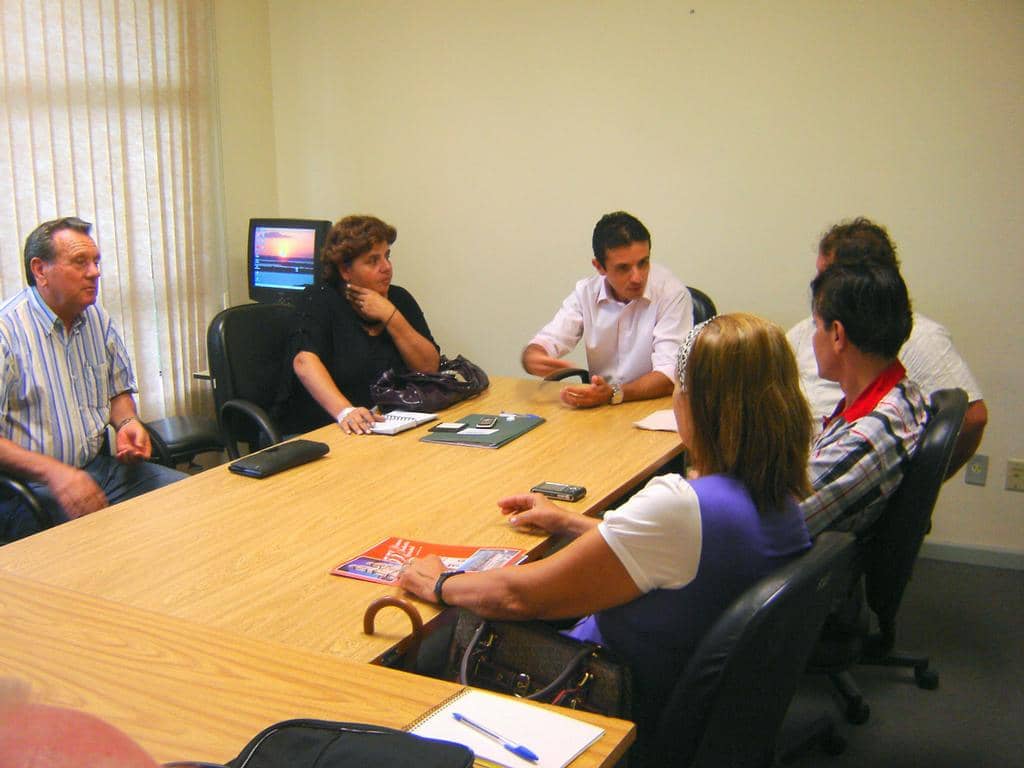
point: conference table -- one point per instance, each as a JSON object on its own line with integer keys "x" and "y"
{"x": 253, "y": 557}
{"x": 189, "y": 692}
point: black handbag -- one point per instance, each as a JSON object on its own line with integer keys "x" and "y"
{"x": 532, "y": 660}
{"x": 455, "y": 381}
{"x": 325, "y": 744}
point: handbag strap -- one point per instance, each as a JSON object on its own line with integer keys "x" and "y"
{"x": 559, "y": 682}
{"x": 554, "y": 686}
{"x": 470, "y": 647}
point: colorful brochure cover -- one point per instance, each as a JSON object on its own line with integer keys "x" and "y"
{"x": 383, "y": 562}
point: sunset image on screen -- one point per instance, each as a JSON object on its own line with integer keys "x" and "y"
{"x": 285, "y": 244}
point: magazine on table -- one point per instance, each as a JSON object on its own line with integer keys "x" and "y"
{"x": 383, "y": 562}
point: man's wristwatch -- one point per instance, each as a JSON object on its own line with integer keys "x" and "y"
{"x": 616, "y": 394}
{"x": 439, "y": 584}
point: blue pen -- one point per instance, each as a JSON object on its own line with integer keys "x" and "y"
{"x": 511, "y": 746}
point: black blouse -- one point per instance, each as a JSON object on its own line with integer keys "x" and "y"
{"x": 327, "y": 325}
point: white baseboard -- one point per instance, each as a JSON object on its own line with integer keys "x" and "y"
{"x": 992, "y": 557}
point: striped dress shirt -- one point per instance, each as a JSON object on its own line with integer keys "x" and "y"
{"x": 858, "y": 462}
{"x": 56, "y": 386}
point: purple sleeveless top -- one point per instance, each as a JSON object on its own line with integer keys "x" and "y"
{"x": 657, "y": 633}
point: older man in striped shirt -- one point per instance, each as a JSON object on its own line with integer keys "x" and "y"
{"x": 65, "y": 375}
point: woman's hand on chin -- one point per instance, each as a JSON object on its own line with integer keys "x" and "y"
{"x": 369, "y": 304}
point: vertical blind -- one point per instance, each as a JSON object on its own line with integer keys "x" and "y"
{"x": 108, "y": 113}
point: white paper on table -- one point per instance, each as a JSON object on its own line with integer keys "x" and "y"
{"x": 664, "y": 421}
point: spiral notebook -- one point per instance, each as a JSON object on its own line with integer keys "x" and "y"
{"x": 399, "y": 421}
{"x": 556, "y": 739}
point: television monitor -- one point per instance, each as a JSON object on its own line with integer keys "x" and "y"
{"x": 284, "y": 257}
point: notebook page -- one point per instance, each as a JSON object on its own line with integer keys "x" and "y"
{"x": 399, "y": 421}
{"x": 556, "y": 739}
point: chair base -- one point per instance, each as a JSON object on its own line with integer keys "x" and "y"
{"x": 926, "y": 678}
{"x": 857, "y": 710}
{"x": 820, "y": 733}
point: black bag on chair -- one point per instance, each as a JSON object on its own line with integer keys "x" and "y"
{"x": 455, "y": 381}
{"x": 532, "y": 660}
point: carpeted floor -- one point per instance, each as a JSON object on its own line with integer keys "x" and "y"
{"x": 969, "y": 620}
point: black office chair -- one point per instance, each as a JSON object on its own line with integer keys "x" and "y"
{"x": 703, "y": 306}
{"x": 246, "y": 346}
{"x": 728, "y": 705}
{"x": 887, "y": 553}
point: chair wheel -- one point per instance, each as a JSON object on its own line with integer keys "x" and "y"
{"x": 928, "y": 679}
{"x": 833, "y": 744}
{"x": 858, "y": 712}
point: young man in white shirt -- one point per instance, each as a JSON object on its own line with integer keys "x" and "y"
{"x": 632, "y": 317}
{"x": 930, "y": 359}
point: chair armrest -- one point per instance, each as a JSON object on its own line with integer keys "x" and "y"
{"x": 161, "y": 453}
{"x": 253, "y": 413}
{"x": 564, "y": 373}
{"x": 19, "y": 488}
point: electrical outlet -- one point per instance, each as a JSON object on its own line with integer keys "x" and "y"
{"x": 976, "y": 472}
{"x": 1015, "y": 475}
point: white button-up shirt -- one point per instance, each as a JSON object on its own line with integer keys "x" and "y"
{"x": 624, "y": 340}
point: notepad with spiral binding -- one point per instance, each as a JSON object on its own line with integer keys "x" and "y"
{"x": 399, "y": 421}
{"x": 556, "y": 739}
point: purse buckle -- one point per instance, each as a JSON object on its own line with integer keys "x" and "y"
{"x": 521, "y": 685}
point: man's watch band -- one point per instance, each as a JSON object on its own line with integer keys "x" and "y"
{"x": 439, "y": 584}
{"x": 616, "y": 394}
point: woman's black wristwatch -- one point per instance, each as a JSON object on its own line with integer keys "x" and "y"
{"x": 440, "y": 583}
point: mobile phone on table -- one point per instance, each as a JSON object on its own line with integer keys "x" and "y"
{"x": 486, "y": 422}
{"x": 449, "y": 426}
{"x": 560, "y": 491}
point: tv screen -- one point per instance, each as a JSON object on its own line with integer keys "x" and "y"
{"x": 284, "y": 257}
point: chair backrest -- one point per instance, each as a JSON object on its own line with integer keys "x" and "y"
{"x": 732, "y": 697}
{"x": 247, "y": 346}
{"x": 703, "y": 306}
{"x": 892, "y": 543}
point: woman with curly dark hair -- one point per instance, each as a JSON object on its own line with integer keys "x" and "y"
{"x": 351, "y": 328}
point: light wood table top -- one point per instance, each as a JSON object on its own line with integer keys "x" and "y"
{"x": 253, "y": 556}
{"x": 186, "y": 692}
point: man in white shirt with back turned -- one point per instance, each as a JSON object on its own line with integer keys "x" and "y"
{"x": 928, "y": 355}
{"x": 632, "y": 317}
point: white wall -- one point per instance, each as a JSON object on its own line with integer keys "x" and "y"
{"x": 246, "y": 99}
{"x": 493, "y": 135}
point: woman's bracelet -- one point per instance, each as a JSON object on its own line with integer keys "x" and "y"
{"x": 390, "y": 316}
{"x": 124, "y": 421}
{"x": 343, "y": 413}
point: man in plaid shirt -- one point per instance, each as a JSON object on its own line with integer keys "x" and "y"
{"x": 861, "y": 319}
